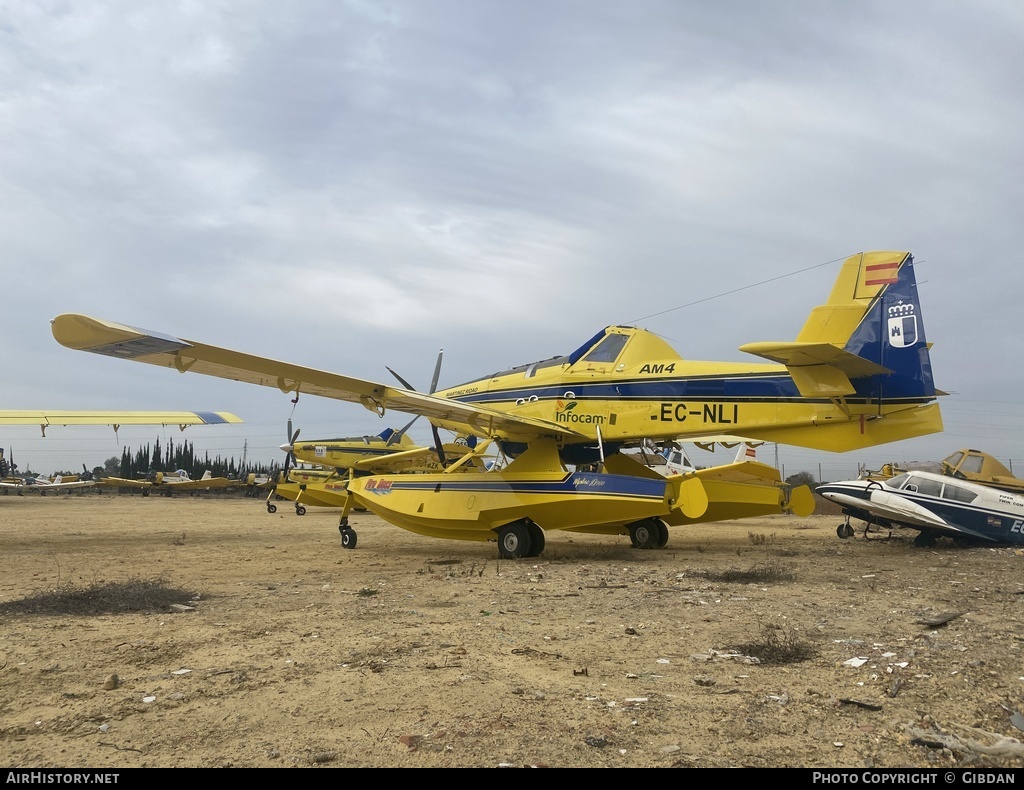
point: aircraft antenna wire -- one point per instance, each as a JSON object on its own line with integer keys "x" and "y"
{"x": 636, "y": 321}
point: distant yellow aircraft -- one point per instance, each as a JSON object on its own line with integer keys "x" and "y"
{"x": 49, "y": 418}
{"x": 336, "y": 460}
{"x": 857, "y": 375}
{"x": 169, "y": 482}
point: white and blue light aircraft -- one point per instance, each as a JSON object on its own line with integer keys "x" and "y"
{"x": 934, "y": 504}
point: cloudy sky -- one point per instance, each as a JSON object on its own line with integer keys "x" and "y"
{"x": 354, "y": 185}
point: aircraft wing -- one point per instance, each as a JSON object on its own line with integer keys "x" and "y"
{"x": 121, "y": 482}
{"x": 741, "y": 472}
{"x": 192, "y": 485}
{"x": 117, "y": 340}
{"x": 40, "y": 486}
{"x": 56, "y": 417}
{"x": 392, "y": 461}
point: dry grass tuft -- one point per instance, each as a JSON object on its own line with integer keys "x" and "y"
{"x": 134, "y": 595}
{"x": 778, "y": 645}
{"x": 762, "y": 573}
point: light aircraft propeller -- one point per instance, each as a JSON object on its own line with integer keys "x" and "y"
{"x": 433, "y": 387}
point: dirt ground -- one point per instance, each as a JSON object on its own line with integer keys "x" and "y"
{"x": 415, "y": 652}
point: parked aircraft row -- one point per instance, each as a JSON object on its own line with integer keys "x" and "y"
{"x": 857, "y": 375}
{"x": 48, "y": 418}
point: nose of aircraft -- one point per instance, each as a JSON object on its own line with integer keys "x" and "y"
{"x": 286, "y": 447}
{"x": 826, "y": 491}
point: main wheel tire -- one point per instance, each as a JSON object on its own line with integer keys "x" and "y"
{"x": 662, "y": 534}
{"x": 844, "y": 531}
{"x": 924, "y": 540}
{"x": 644, "y": 534}
{"x": 271, "y": 507}
{"x": 514, "y": 541}
{"x": 348, "y": 538}
{"x": 300, "y": 510}
{"x": 536, "y": 540}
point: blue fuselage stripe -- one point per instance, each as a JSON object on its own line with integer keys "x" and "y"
{"x": 577, "y": 482}
{"x": 770, "y": 387}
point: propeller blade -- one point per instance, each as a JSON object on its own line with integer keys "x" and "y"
{"x": 437, "y": 445}
{"x": 401, "y": 381}
{"x": 433, "y": 387}
{"x": 437, "y": 372}
{"x": 395, "y": 437}
{"x": 289, "y": 458}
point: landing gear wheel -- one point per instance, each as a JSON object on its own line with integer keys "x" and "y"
{"x": 924, "y": 540}
{"x": 844, "y": 531}
{"x": 536, "y": 540}
{"x": 662, "y": 534}
{"x": 644, "y": 534}
{"x": 271, "y": 507}
{"x": 514, "y": 540}
{"x": 348, "y": 538}
{"x": 300, "y": 510}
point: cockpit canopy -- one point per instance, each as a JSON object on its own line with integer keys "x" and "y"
{"x": 930, "y": 485}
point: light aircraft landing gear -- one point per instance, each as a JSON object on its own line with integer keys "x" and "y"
{"x": 348, "y": 535}
{"x": 300, "y": 510}
{"x": 520, "y": 539}
{"x": 844, "y": 530}
{"x": 924, "y": 539}
{"x": 536, "y": 539}
{"x": 650, "y": 533}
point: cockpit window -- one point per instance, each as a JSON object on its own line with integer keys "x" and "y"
{"x": 925, "y": 485}
{"x": 954, "y": 459}
{"x": 972, "y": 463}
{"x": 896, "y": 482}
{"x": 958, "y": 493}
{"x": 607, "y": 350}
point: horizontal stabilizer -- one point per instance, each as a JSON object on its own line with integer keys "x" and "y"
{"x": 797, "y": 354}
{"x": 819, "y": 370}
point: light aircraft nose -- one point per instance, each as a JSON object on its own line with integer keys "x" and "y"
{"x": 286, "y": 447}
{"x": 828, "y": 492}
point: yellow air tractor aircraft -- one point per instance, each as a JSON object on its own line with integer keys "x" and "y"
{"x": 390, "y": 452}
{"x": 857, "y": 375}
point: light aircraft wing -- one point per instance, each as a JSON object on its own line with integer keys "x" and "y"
{"x": 57, "y": 485}
{"x": 190, "y": 485}
{"x": 392, "y": 460}
{"x": 121, "y": 482}
{"x": 895, "y": 508}
{"x": 117, "y": 340}
{"x": 741, "y": 472}
{"x": 46, "y": 418}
